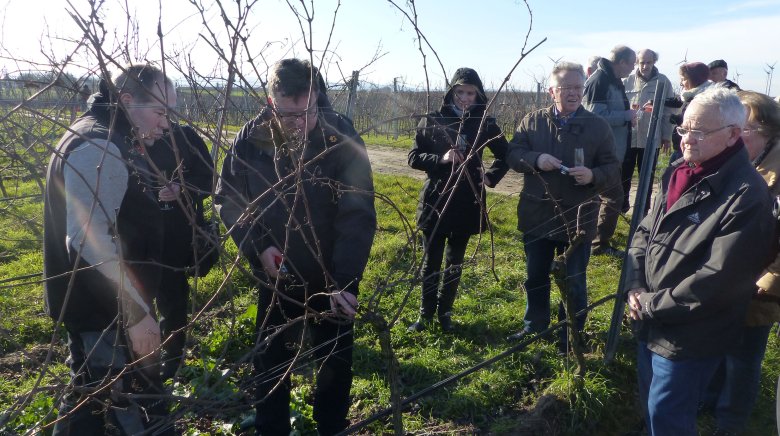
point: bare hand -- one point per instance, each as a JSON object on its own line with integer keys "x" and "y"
{"x": 547, "y": 162}
{"x": 634, "y": 305}
{"x": 170, "y": 192}
{"x": 344, "y": 303}
{"x": 144, "y": 336}
{"x": 452, "y": 156}
{"x": 270, "y": 260}
{"x": 582, "y": 175}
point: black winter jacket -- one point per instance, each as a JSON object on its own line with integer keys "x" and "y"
{"x": 183, "y": 156}
{"x": 453, "y": 200}
{"x": 699, "y": 261}
{"x": 314, "y": 202}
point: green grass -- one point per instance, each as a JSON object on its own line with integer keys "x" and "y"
{"x": 499, "y": 399}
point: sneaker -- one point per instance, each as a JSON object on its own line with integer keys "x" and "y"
{"x": 519, "y": 336}
{"x": 445, "y": 321}
{"x": 606, "y": 250}
{"x": 419, "y": 325}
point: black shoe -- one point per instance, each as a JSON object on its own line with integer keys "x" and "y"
{"x": 606, "y": 250}
{"x": 419, "y": 325}
{"x": 445, "y": 321}
{"x": 519, "y": 336}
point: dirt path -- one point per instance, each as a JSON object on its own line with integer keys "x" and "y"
{"x": 392, "y": 160}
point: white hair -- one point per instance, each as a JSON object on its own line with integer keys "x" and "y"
{"x": 732, "y": 111}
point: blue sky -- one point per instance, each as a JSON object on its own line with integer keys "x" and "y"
{"x": 486, "y": 35}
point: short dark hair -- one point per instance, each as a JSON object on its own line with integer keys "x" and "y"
{"x": 140, "y": 80}
{"x": 621, "y": 53}
{"x": 293, "y": 78}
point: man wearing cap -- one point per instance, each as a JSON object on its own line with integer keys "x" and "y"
{"x": 719, "y": 70}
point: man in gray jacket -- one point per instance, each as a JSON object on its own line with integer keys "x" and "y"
{"x": 694, "y": 261}
{"x": 605, "y": 96}
{"x": 640, "y": 90}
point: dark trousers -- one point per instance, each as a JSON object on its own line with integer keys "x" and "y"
{"x": 433, "y": 296}
{"x": 539, "y": 253}
{"x": 634, "y": 158}
{"x": 609, "y": 213}
{"x": 736, "y": 384}
{"x": 92, "y": 408}
{"x": 172, "y": 302}
{"x": 331, "y": 345}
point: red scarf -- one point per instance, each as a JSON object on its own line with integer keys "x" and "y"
{"x": 685, "y": 176}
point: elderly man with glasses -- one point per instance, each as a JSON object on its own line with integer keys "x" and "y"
{"x": 566, "y": 155}
{"x": 694, "y": 261}
{"x": 297, "y": 197}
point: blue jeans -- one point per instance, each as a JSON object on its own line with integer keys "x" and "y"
{"x": 673, "y": 390}
{"x": 539, "y": 255}
{"x": 738, "y": 380}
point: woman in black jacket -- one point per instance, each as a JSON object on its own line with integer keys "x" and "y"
{"x": 448, "y": 146}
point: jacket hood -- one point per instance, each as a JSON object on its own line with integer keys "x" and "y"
{"x": 466, "y": 76}
{"x": 103, "y": 105}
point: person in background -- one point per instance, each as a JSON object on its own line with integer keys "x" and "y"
{"x": 182, "y": 158}
{"x": 693, "y": 263}
{"x": 566, "y": 155}
{"x": 735, "y": 386}
{"x": 719, "y": 72}
{"x": 296, "y": 195}
{"x": 693, "y": 81}
{"x": 640, "y": 90}
{"x": 593, "y": 65}
{"x": 101, "y": 255}
{"x": 605, "y": 96}
{"x": 448, "y": 146}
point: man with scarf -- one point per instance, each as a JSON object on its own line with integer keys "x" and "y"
{"x": 102, "y": 250}
{"x": 694, "y": 261}
{"x": 296, "y": 194}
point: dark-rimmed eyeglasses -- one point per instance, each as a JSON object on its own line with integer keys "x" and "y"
{"x": 290, "y": 116}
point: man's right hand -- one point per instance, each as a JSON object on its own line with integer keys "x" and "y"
{"x": 144, "y": 336}
{"x": 634, "y": 305}
{"x": 268, "y": 258}
{"x": 547, "y": 162}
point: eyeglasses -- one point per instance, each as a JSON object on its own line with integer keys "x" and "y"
{"x": 699, "y": 135}
{"x": 575, "y": 89}
{"x": 747, "y": 131}
{"x": 290, "y": 116}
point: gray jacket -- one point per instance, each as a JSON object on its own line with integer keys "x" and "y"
{"x": 605, "y": 96}
{"x": 700, "y": 259}
{"x": 639, "y": 91}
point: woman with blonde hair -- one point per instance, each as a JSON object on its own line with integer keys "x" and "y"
{"x": 737, "y": 381}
